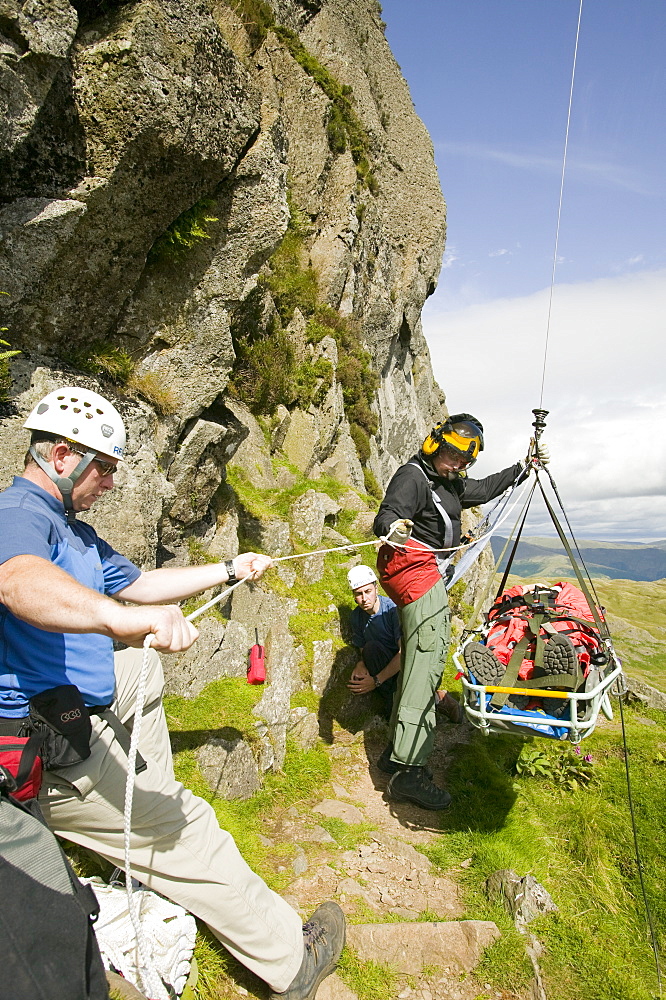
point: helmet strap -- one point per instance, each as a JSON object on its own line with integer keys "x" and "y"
{"x": 64, "y": 484}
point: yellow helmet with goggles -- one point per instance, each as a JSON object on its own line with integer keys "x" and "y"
{"x": 461, "y": 432}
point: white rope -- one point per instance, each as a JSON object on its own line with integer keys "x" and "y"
{"x": 396, "y": 545}
{"x": 150, "y": 980}
{"x": 559, "y": 207}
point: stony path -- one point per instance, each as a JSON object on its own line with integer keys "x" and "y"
{"x": 383, "y": 878}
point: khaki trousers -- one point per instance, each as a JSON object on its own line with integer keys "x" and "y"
{"x": 426, "y": 633}
{"x": 177, "y": 846}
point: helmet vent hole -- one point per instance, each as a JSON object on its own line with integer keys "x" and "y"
{"x": 89, "y": 416}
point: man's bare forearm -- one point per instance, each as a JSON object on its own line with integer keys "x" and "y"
{"x": 167, "y": 584}
{"x": 45, "y": 596}
{"x": 174, "y": 584}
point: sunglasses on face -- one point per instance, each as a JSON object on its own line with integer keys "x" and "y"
{"x": 105, "y": 468}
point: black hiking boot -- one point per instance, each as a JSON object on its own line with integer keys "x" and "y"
{"x": 412, "y": 784}
{"x": 388, "y": 766}
{"x": 559, "y": 657}
{"x": 483, "y": 663}
{"x": 323, "y": 941}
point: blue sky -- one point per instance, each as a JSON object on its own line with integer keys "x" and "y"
{"x": 491, "y": 79}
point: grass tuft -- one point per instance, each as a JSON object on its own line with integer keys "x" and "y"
{"x": 184, "y": 233}
{"x": 368, "y": 980}
{"x": 103, "y": 358}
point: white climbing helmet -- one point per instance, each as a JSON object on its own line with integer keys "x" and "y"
{"x": 81, "y": 416}
{"x": 361, "y": 576}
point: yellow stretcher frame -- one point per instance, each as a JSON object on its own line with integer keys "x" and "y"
{"x": 491, "y": 721}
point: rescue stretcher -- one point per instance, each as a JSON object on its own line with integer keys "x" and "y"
{"x": 578, "y": 720}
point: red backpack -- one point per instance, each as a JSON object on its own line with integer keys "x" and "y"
{"x": 564, "y": 608}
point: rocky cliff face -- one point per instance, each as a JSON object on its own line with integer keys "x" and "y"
{"x": 226, "y": 217}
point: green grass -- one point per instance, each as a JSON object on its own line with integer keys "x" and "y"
{"x": 347, "y": 835}
{"x": 224, "y": 708}
{"x": 578, "y": 844}
{"x": 267, "y": 504}
{"x": 368, "y": 980}
{"x": 103, "y": 358}
{"x": 187, "y": 231}
{"x": 5, "y": 374}
{"x": 641, "y": 603}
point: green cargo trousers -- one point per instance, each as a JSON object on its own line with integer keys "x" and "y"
{"x": 426, "y": 633}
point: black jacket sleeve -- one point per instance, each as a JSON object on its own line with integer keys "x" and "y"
{"x": 478, "y": 491}
{"x": 406, "y": 495}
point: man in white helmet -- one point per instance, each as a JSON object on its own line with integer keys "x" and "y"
{"x": 375, "y": 625}
{"x": 58, "y": 673}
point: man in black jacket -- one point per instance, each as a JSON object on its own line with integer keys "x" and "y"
{"x": 420, "y": 520}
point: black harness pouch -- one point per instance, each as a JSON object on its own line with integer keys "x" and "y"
{"x": 61, "y": 716}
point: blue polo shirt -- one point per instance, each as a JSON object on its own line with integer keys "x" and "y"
{"x": 383, "y": 627}
{"x": 32, "y": 522}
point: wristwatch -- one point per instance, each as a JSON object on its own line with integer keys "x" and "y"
{"x": 230, "y": 571}
{"x": 378, "y": 683}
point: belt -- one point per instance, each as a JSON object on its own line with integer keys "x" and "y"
{"x": 12, "y": 727}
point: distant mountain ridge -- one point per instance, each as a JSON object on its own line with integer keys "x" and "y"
{"x": 604, "y": 560}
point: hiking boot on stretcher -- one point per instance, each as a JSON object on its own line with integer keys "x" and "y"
{"x": 483, "y": 663}
{"x": 559, "y": 657}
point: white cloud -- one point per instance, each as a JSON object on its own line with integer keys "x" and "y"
{"x": 597, "y": 170}
{"x": 604, "y": 386}
{"x": 499, "y": 253}
{"x": 450, "y": 257}
{"x": 633, "y": 261}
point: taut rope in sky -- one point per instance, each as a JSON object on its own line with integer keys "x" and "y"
{"x": 559, "y": 207}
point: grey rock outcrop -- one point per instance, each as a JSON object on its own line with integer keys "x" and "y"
{"x": 523, "y": 898}
{"x": 229, "y": 768}
{"x": 117, "y": 125}
{"x": 643, "y": 693}
{"x": 309, "y": 513}
{"x": 454, "y": 944}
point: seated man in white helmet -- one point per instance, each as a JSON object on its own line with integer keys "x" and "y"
{"x": 375, "y": 627}
{"x": 59, "y": 674}
{"x": 376, "y": 634}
